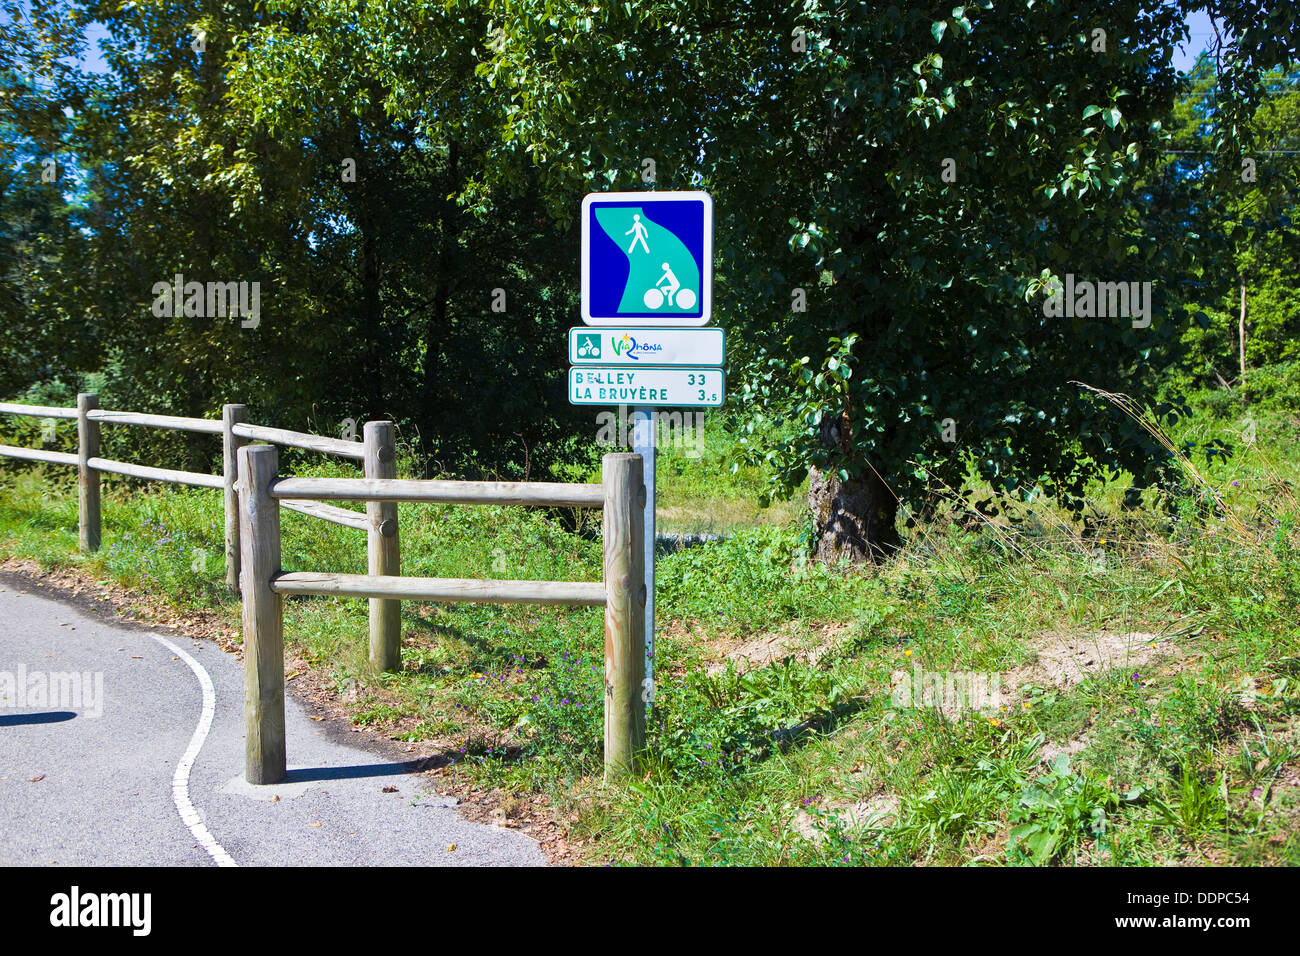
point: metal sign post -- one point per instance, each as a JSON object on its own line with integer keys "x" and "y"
{"x": 644, "y": 441}
{"x": 647, "y": 293}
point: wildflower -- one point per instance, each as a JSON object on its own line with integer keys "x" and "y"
{"x": 907, "y": 653}
{"x": 994, "y": 722}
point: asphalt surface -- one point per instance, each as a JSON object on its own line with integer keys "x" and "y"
{"x": 82, "y": 789}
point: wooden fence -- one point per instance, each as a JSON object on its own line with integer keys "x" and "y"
{"x": 254, "y": 492}
{"x": 376, "y": 453}
{"x": 622, "y": 592}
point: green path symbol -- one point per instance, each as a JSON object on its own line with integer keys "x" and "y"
{"x": 663, "y": 276}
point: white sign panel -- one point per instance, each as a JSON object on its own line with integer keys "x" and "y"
{"x": 646, "y": 386}
{"x": 633, "y": 347}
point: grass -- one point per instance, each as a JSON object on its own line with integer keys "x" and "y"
{"x": 1191, "y": 756}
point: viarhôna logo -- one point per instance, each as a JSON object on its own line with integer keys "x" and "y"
{"x": 630, "y": 347}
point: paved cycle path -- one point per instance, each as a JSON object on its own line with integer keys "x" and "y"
{"x": 92, "y": 779}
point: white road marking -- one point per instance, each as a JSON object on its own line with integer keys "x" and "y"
{"x": 181, "y": 779}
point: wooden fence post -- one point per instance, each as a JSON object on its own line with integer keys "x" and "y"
{"x": 230, "y": 445}
{"x": 625, "y": 600}
{"x": 383, "y": 548}
{"x": 88, "y": 524}
{"x": 259, "y": 541}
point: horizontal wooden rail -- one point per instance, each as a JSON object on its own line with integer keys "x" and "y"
{"x": 155, "y": 474}
{"x": 38, "y": 454}
{"x": 441, "y": 589}
{"x": 204, "y": 425}
{"x": 282, "y": 436}
{"x": 447, "y": 492}
{"x": 353, "y": 519}
{"x": 37, "y": 411}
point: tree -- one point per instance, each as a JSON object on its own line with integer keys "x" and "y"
{"x": 249, "y": 142}
{"x": 1236, "y": 218}
{"x": 36, "y": 166}
{"x": 825, "y": 134}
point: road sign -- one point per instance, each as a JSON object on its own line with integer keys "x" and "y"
{"x": 646, "y": 386}
{"x": 639, "y": 347}
{"x": 647, "y": 259}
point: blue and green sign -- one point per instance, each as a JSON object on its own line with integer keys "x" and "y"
{"x": 647, "y": 259}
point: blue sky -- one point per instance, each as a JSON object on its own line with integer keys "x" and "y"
{"x": 1202, "y": 37}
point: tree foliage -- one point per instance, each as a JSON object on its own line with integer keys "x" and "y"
{"x": 922, "y": 175}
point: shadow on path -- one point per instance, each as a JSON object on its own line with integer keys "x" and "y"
{"x": 49, "y": 717}
{"x": 306, "y": 774}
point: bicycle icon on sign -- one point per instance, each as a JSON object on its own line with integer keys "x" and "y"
{"x": 668, "y": 289}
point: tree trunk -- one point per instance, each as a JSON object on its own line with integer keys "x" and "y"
{"x": 852, "y": 519}
{"x": 1241, "y": 330}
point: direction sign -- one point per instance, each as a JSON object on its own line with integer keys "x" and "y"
{"x": 639, "y": 347}
{"x": 647, "y": 259}
{"x": 646, "y": 386}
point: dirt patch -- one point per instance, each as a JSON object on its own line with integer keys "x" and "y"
{"x": 1051, "y": 750}
{"x": 878, "y": 812}
{"x": 793, "y": 639}
{"x": 1065, "y": 659}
